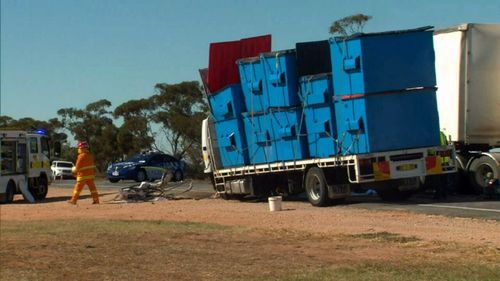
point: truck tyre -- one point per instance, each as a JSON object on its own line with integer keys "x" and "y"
{"x": 114, "y": 180}
{"x": 40, "y": 188}
{"x": 316, "y": 187}
{"x": 482, "y": 171}
{"x": 9, "y": 193}
{"x": 141, "y": 176}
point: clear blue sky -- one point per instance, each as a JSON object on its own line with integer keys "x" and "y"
{"x": 68, "y": 53}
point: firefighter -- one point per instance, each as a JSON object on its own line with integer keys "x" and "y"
{"x": 84, "y": 171}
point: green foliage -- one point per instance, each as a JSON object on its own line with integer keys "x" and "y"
{"x": 180, "y": 109}
{"x": 349, "y": 25}
{"x": 135, "y": 134}
{"x": 94, "y": 124}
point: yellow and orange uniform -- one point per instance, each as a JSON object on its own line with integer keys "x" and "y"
{"x": 85, "y": 175}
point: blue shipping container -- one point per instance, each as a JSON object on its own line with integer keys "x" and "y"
{"x": 379, "y": 62}
{"x": 253, "y": 84}
{"x": 280, "y": 71}
{"x": 375, "y": 123}
{"x": 321, "y": 130}
{"x": 227, "y": 103}
{"x": 258, "y": 131}
{"x": 232, "y": 142}
{"x": 316, "y": 89}
{"x": 288, "y": 133}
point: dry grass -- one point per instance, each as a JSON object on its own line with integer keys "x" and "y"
{"x": 164, "y": 250}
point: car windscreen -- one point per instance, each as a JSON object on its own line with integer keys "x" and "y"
{"x": 65, "y": 165}
{"x": 138, "y": 158}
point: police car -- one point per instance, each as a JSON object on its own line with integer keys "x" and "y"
{"x": 147, "y": 166}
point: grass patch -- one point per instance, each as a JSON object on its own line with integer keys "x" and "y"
{"x": 386, "y": 237}
{"x": 403, "y": 272}
{"x": 165, "y": 250}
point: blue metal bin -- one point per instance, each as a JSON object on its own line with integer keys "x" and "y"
{"x": 379, "y": 62}
{"x": 253, "y": 84}
{"x": 228, "y": 103}
{"x": 321, "y": 130}
{"x": 280, "y": 72}
{"x": 258, "y": 131}
{"x": 316, "y": 89}
{"x": 390, "y": 121}
{"x": 288, "y": 133}
{"x": 232, "y": 142}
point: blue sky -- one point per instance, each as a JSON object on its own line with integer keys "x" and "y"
{"x": 68, "y": 53}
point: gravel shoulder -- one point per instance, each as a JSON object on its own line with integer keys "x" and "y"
{"x": 299, "y": 216}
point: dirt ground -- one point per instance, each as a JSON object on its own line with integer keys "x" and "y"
{"x": 295, "y": 216}
{"x": 245, "y": 237}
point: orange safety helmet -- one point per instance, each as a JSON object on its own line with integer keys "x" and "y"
{"x": 82, "y": 144}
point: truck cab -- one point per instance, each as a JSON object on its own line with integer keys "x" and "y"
{"x": 24, "y": 165}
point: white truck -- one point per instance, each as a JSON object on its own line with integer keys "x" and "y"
{"x": 468, "y": 96}
{"x": 393, "y": 174}
{"x": 24, "y": 165}
{"x": 361, "y": 116}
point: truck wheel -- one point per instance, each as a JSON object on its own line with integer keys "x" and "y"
{"x": 141, "y": 176}
{"x": 482, "y": 172}
{"x": 317, "y": 188}
{"x": 9, "y": 193}
{"x": 39, "y": 191}
{"x": 114, "y": 180}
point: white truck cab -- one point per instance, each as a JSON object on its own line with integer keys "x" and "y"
{"x": 24, "y": 165}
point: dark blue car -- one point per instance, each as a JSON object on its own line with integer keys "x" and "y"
{"x": 146, "y": 167}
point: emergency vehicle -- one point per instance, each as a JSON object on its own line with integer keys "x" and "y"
{"x": 24, "y": 165}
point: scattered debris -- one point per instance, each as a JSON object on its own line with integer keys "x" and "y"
{"x": 154, "y": 191}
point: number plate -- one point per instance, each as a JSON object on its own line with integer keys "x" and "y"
{"x": 406, "y": 167}
{"x": 115, "y": 173}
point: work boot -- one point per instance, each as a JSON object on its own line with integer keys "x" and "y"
{"x": 71, "y": 202}
{"x": 95, "y": 202}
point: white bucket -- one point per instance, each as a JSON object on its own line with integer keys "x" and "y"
{"x": 274, "y": 203}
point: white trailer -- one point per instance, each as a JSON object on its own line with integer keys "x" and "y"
{"x": 468, "y": 95}
{"x": 24, "y": 165}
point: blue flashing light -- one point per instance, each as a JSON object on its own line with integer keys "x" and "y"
{"x": 41, "y": 132}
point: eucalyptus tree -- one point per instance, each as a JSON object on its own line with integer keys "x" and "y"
{"x": 94, "y": 124}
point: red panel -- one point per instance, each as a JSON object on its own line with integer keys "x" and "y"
{"x": 251, "y": 47}
{"x": 222, "y": 68}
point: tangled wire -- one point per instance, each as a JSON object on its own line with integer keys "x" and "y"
{"x": 154, "y": 191}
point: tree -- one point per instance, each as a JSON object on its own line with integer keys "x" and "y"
{"x": 349, "y": 25}
{"x": 94, "y": 125}
{"x": 180, "y": 109}
{"x": 136, "y": 133}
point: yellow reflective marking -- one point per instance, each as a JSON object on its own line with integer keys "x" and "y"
{"x": 87, "y": 168}
{"x": 406, "y": 167}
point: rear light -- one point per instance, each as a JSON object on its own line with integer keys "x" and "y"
{"x": 365, "y": 166}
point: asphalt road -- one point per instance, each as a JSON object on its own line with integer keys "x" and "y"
{"x": 467, "y": 206}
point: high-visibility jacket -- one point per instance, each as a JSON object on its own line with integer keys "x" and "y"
{"x": 85, "y": 167}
